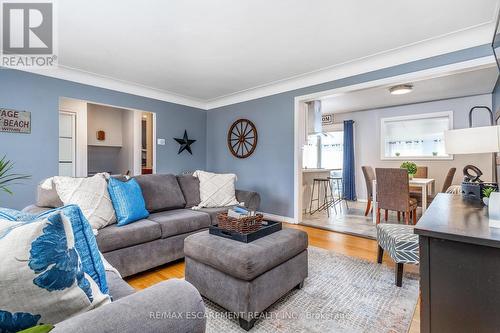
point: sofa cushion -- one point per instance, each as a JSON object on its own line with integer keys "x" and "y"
{"x": 115, "y": 237}
{"x": 41, "y": 275}
{"x": 190, "y": 186}
{"x": 216, "y": 190}
{"x": 46, "y": 195}
{"x": 118, "y": 288}
{"x": 127, "y": 200}
{"x": 245, "y": 261}
{"x": 161, "y": 192}
{"x": 213, "y": 212}
{"x": 85, "y": 242}
{"x": 91, "y": 194}
{"x": 180, "y": 221}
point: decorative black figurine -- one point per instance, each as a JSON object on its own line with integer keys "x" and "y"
{"x": 185, "y": 143}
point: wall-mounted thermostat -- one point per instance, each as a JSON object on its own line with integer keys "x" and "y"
{"x": 161, "y": 142}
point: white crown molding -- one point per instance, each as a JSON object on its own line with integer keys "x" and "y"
{"x": 455, "y": 41}
{"x": 96, "y": 80}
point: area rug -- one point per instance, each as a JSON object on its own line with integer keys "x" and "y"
{"x": 341, "y": 294}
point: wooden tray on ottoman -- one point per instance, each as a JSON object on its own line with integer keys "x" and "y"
{"x": 267, "y": 228}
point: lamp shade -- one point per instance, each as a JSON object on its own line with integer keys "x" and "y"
{"x": 474, "y": 140}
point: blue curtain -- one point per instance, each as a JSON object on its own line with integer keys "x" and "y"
{"x": 349, "y": 181}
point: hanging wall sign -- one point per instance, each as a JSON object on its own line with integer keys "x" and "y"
{"x": 327, "y": 119}
{"x": 14, "y": 121}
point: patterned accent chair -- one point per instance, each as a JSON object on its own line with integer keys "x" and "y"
{"x": 401, "y": 244}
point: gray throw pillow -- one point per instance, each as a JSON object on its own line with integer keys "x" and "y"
{"x": 190, "y": 187}
{"x": 161, "y": 192}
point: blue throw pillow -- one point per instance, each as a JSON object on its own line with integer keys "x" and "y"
{"x": 127, "y": 200}
{"x": 85, "y": 243}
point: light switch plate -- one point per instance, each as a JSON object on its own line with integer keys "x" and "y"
{"x": 161, "y": 142}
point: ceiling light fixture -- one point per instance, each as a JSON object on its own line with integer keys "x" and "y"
{"x": 401, "y": 89}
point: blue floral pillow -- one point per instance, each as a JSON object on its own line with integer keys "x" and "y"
{"x": 128, "y": 201}
{"x": 42, "y": 279}
{"x": 85, "y": 243}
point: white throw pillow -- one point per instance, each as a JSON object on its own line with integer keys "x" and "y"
{"x": 41, "y": 275}
{"x": 91, "y": 194}
{"x": 216, "y": 190}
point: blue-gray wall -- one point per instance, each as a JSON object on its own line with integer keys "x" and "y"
{"x": 36, "y": 154}
{"x": 270, "y": 169}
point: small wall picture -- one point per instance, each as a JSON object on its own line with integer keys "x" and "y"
{"x": 101, "y": 135}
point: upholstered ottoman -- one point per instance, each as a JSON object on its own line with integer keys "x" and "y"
{"x": 246, "y": 278}
{"x": 401, "y": 244}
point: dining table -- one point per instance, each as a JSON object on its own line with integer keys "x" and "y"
{"x": 427, "y": 186}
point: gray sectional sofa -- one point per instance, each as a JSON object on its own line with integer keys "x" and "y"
{"x": 159, "y": 239}
{"x": 171, "y": 306}
{"x": 143, "y": 245}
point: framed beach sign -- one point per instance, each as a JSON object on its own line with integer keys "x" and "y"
{"x": 14, "y": 121}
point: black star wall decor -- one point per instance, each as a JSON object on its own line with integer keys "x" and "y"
{"x": 185, "y": 143}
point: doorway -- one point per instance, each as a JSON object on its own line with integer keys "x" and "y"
{"x": 301, "y": 135}
{"x": 147, "y": 143}
{"x": 95, "y": 137}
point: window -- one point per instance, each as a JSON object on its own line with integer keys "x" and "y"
{"x": 311, "y": 156}
{"x": 332, "y": 150}
{"x": 415, "y": 137}
{"x": 324, "y": 150}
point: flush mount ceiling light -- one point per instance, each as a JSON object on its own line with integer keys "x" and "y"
{"x": 401, "y": 89}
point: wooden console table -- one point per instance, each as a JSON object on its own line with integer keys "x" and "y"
{"x": 459, "y": 267}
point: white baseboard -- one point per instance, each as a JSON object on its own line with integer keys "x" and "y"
{"x": 279, "y": 218}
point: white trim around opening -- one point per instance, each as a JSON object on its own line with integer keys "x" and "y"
{"x": 299, "y": 109}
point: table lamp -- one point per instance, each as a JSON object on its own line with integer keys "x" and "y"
{"x": 475, "y": 140}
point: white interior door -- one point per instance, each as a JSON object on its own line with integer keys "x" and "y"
{"x": 67, "y": 144}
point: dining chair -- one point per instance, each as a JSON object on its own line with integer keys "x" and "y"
{"x": 422, "y": 172}
{"x": 393, "y": 193}
{"x": 447, "y": 183}
{"x": 369, "y": 178}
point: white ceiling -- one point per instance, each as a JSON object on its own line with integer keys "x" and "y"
{"x": 206, "y": 50}
{"x": 474, "y": 82}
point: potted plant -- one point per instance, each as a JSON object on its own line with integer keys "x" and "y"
{"x": 411, "y": 167}
{"x": 486, "y": 194}
{"x": 7, "y": 178}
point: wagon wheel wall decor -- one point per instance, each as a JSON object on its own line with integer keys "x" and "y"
{"x": 242, "y": 138}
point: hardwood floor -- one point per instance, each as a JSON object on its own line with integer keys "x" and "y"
{"x": 345, "y": 244}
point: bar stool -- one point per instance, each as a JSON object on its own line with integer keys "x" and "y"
{"x": 338, "y": 186}
{"x": 328, "y": 199}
